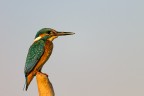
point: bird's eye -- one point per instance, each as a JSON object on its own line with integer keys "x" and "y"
{"x": 49, "y": 32}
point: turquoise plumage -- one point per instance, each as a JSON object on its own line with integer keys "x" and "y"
{"x": 40, "y": 51}
{"x": 34, "y": 54}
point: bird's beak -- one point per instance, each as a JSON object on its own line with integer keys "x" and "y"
{"x": 64, "y": 33}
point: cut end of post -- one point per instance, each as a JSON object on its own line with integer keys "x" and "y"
{"x": 45, "y": 87}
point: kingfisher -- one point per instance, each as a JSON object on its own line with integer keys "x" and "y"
{"x": 40, "y": 51}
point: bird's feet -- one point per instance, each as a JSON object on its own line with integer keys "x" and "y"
{"x": 42, "y": 73}
{"x": 45, "y": 74}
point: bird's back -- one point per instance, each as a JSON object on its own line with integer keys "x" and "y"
{"x": 38, "y": 66}
{"x": 47, "y": 52}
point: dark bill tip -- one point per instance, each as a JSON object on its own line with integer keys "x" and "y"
{"x": 64, "y": 33}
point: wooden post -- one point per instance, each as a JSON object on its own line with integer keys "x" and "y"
{"x": 45, "y": 87}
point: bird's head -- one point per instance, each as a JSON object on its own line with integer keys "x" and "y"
{"x": 51, "y": 33}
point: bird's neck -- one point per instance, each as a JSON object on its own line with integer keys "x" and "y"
{"x": 52, "y": 38}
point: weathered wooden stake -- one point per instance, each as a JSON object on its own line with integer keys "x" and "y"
{"x": 45, "y": 87}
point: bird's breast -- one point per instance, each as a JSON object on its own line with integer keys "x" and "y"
{"x": 48, "y": 50}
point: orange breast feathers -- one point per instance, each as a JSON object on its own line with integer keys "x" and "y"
{"x": 45, "y": 56}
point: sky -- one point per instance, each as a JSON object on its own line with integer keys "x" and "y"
{"x": 104, "y": 58}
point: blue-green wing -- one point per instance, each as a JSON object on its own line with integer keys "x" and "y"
{"x": 35, "y": 52}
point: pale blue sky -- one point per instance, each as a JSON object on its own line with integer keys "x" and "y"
{"x": 104, "y": 58}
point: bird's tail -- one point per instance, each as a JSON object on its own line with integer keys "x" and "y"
{"x": 28, "y": 81}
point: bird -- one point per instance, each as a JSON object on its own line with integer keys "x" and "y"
{"x": 40, "y": 51}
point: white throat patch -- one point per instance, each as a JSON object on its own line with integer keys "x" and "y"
{"x": 38, "y": 38}
{"x": 52, "y": 38}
